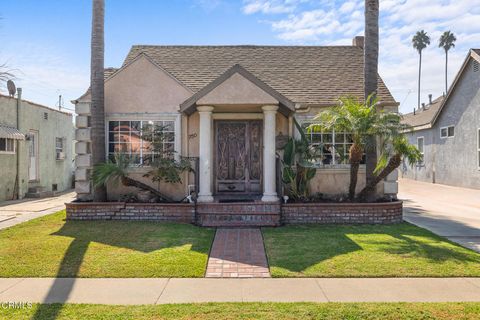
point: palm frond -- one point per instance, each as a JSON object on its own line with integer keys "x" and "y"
{"x": 110, "y": 170}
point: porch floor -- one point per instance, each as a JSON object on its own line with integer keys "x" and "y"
{"x": 238, "y": 253}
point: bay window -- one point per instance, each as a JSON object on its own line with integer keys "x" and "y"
{"x": 141, "y": 140}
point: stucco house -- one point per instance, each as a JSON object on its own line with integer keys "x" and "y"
{"x": 229, "y": 106}
{"x": 447, "y": 131}
{"x": 35, "y": 149}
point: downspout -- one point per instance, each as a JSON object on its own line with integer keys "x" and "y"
{"x": 16, "y": 192}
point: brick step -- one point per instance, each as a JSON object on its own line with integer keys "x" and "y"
{"x": 238, "y": 214}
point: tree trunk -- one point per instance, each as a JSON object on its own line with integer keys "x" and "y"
{"x": 355, "y": 153}
{"x": 371, "y": 77}
{"x": 97, "y": 91}
{"x": 393, "y": 164}
{"x": 129, "y": 182}
{"x": 419, "y": 77}
{"x": 446, "y": 72}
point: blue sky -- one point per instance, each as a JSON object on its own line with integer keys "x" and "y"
{"x": 47, "y": 42}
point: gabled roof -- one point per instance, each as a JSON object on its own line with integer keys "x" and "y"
{"x": 423, "y": 117}
{"x": 286, "y": 106}
{"x": 313, "y": 75}
{"x": 427, "y": 118}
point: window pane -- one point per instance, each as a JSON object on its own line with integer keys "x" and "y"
{"x": 451, "y": 131}
{"x": 136, "y": 126}
{"x": 3, "y": 144}
{"x": 339, "y": 137}
{"x": 420, "y": 144}
{"x": 443, "y": 132}
{"x": 124, "y": 137}
{"x": 316, "y": 138}
{"x": 125, "y": 126}
{"x": 10, "y": 145}
{"x": 113, "y": 126}
{"x": 327, "y": 137}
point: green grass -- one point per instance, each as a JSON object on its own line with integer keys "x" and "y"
{"x": 402, "y": 250}
{"x": 326, "y": 311}
{"x": 52, "y": 247}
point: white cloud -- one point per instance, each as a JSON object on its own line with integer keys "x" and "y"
{"x": 43, "y": 73}
{"x": 271, "y": 6}
{"x": 332, "y": 23}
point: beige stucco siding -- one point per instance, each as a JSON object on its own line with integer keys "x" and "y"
{"x": 142, "y": 87}
{"x": 237, "y": 90}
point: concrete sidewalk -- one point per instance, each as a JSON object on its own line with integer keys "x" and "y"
{"x": 164, "y": 290}
{"x": 17, "y": 211}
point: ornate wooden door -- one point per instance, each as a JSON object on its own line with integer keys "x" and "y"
{"x": 238, "y": 157}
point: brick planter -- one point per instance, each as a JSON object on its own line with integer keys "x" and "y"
{"x": 174, "y": 212}
{"x": 256, "y": 214}
{"x": 342, "y": 213}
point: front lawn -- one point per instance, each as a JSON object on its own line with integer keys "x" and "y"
{"x": 52, "y": 247}
{"x": 401, "y": 250}
{"x": 331, "y": 311}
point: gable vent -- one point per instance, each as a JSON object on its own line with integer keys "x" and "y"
{"x": 476, "y": 66}
{"x": 45, "y": 116}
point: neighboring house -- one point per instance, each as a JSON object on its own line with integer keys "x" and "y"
{"x": 229, "y": 106}
{"x": 35, "y": 153}
{"x": 447, "y": 132}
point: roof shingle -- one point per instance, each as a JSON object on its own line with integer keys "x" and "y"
{"x": 304, "y": 74}
{"x": 423, "y": 117}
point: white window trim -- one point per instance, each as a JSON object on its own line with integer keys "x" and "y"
{"x": 14, "y": 147}
{"x": 441, "y": 128}
{"x": 176, "y": 117}
{"x": 421, "y": 163}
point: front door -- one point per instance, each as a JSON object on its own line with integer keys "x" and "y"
{"x": 33, "y": 156}
{"x": 238, "y": 157}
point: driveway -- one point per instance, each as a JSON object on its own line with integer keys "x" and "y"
{"x": 18, "y": 211}
{"x": 451, "y": 212}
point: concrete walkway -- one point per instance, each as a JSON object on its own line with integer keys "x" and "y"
{"x": 237, "y": 253}
{"x": 18, "y": 211}
{"x": 162, "y": 290}
{"x": 450, "y": 212}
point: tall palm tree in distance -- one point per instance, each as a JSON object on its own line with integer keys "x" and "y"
{"x": 371, "y": 80}
{"x": 98, "y": 91}
{"x": 447, "y": 41}
{"x": 420, "y": 41}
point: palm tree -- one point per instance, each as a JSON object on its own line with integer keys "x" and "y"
{"x": 420, "y": 41}
{"x": 98, "y": 92}
{"x": 391, "y": 158}
{"x": 358, "y": 119}
{"x": 117, "y": 171}
{"x": 447, "y": 41}
{"x": 371, "y": 77}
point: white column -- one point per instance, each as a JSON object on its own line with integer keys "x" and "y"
{"x": 269, "y": 179}
{"x": 205, "y": 154}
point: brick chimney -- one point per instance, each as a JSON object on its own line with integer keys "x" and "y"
{"x": 359, "y": 41}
